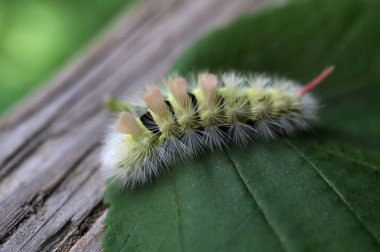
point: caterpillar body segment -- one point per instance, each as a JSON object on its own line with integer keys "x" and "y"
{"x": 209, "y": 114}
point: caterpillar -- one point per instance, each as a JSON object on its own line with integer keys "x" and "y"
{"x": 203, "y": 112}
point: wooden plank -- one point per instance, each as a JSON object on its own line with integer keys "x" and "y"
{"x": 50, "y": 186}
{"x": 91, "y": 241}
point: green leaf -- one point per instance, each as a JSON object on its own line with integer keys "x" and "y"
{"x": 316, "y": 192}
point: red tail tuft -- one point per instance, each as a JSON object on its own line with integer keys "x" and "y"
{"x": 318, "y": 80}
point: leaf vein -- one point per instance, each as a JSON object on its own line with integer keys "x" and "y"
{"x": 265, "y": 217}
{"x": 175, "y": 198}
{"x": 343, "y": 156}
{"x": 327, "y": 181}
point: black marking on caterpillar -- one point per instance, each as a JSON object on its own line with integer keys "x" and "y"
{"x": 209, "y": 114}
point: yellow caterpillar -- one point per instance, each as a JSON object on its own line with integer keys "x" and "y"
{"x": 209, "y": 112}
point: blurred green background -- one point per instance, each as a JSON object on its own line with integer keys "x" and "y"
{"x": 38, "y": 36}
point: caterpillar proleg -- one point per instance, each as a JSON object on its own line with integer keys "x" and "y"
{"x": 205, "y": 112}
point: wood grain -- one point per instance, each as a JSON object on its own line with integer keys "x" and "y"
{"x": 50, "y": 186}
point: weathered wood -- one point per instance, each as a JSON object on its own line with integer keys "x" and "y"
{"x": 91, "y": 241}
{"x": 50, "y": 186}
